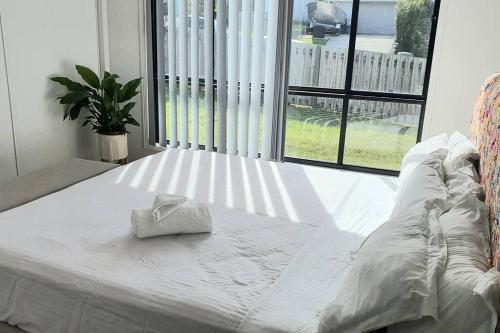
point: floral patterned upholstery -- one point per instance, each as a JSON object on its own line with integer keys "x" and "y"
{"x": 485, "y": 134}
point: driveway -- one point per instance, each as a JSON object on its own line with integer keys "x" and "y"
{"x": 375, "y": 43}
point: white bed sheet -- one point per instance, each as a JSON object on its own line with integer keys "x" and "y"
{"x": 283, "y": 238}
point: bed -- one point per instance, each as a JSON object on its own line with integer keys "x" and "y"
{"x": 284, "y": 237}
{"x": 275, "y": 226}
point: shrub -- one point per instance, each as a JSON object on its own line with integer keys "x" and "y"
{"x": 413, "y": 26}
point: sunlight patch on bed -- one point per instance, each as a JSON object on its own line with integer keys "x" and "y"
{"x": 270, "y": 210}
{"x": 290, "y": 209}
{"x": 122, "y": 174}
{"x": 193, "y": 174}
{"x": 211, "y": 188}
{"x": 174, "y": 179}
{"x": 247, "y": 191}
{"x": 153, "y": 185}
{"x": 140, "y": 173}
{"x": 229, "y": 183}
{"x": 362, "y": 210}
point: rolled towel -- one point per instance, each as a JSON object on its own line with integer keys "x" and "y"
{"x": 165, "y": 204}
{"x": 189, "y": 218}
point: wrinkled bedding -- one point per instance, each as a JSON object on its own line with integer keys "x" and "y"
{"x": 283, "y": 237}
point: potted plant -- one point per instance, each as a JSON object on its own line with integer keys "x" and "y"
{"x": 104, "y": 102}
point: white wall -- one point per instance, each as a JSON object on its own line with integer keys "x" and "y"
{"x": 467, "y": 52}
{"x": 44, "y": 38}
{"x": 126, "y": 52}
{"x": 7, "y": 155}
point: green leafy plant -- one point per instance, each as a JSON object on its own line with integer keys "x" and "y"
{"x": 103, "y": 99}
{"x": 413, "y": 26}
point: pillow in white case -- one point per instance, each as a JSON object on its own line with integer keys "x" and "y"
{"x": 460, "y": 146}
{"x": 461, "y": 178}
{"x": 460, "y": 172}
{"x": 418, "y": 153}
{"x": 468, "y": 290}
{"x": 424, "y": 183}
{"x": 393, "y": 276}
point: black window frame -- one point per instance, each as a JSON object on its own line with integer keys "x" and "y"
{"x": 346, "y": 94}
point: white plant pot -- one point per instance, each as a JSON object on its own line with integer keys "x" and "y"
{"x": 113, "y": 147}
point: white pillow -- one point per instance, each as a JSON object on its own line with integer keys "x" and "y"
{"x": 418, "y": 153}
{"x": 468, "y": 290}
{"x": 424, "y": 183}
{"x": 460, "y": 146}
{"x": 460, "y": 173}
{"x": 393, "y": 277}
{"x": 461, "y": 178}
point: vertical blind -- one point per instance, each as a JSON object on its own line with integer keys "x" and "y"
{"x": 239, "y": 41}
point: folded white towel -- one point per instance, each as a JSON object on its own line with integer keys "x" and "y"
{"x": 188, "y": 218}
{"x": 165, "y": 204}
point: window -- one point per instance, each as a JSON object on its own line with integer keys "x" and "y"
{"x": 348, "y": 88}
{"x": 212, "y": 62}
{"x": 358, "y": 78}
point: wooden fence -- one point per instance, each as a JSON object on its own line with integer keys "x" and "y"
{"x": 324, "y": 66}
{"x": 321, "y": 66}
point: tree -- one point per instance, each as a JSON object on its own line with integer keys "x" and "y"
{"x": 413, "y": 26}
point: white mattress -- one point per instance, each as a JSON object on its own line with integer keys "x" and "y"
{"x": 283, "y": 238}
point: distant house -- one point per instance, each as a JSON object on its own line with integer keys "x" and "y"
{"x": 376, "y": 17}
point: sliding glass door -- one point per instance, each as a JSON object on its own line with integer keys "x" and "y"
{"x": 214, "y": 74}
{"x": 333, "y": 83}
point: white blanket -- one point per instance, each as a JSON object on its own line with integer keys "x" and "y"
{"x": 282, "y": 239}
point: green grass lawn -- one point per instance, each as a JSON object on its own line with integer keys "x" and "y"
{"x": 365, "y": 146}
{"x": 202, "y": 121}
{"x": 312, "y": 133}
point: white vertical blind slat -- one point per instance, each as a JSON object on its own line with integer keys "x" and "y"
{"x": 194, "y": 75}
{"x": 183, "y": 74}
{"x": 255, "y": 101}
{"x": 232, "y": 107}
{"x": 270, "y": 77}
{"x": 172, "y": 86}
{"x": 221, "y": 74}
{"x": 160, "y": 41}
{"x": 246, "y": 16}
{"x": 209, "y": 73}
